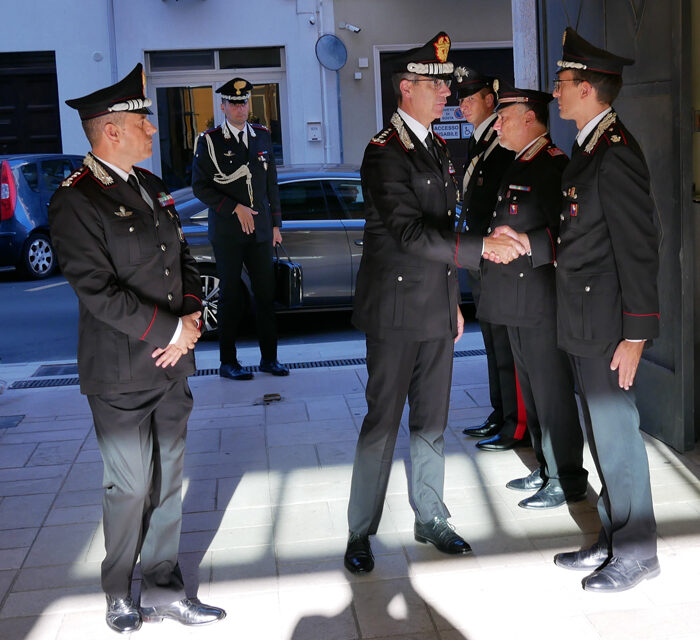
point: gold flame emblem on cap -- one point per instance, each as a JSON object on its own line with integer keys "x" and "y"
{"x": 496, "y": 84}
{"x": 442, "y": 48}
{"x": 563, "y": 39}
{"x": 143, "y": 81}
{"x": 240, "y": 84}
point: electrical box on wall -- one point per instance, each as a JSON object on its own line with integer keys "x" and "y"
{"x": 314, "y": 132}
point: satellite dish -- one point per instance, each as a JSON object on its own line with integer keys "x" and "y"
{"x": 331, "y": 52}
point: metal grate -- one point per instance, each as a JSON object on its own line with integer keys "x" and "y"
{"x": 74, "y": 380}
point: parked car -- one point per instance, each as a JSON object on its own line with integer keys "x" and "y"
{"x": 27, "y": 183}
{"x": 323, "y": 223}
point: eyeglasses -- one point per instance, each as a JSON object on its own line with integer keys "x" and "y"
{"x": 438, "y": 83}
{"x": 556, "y": 84}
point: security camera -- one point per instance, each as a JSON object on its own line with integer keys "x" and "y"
{"x": 350, "y": 27}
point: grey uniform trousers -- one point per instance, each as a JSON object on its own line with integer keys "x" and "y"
{"x": 397, "y": 369}
{"x": 141, "y": 436}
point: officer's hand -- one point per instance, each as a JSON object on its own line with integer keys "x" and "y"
{"x": 460, "y": 324}
{"x": 191, "y": 330}
{"x": 276, "y": 236}
{"x": 245, "y": 217}
{"x": 625, "y": 361}
{"x": 168, "y": 356}
{"x": 505, "y": 230}
{"x": 503, "y": 249}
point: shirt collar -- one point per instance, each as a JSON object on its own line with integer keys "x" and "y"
{"x": 247, "y": 131}
{"x": 120, "y": 172}
{"x": 479, "y": 131}
{"x": 592, "y": 124}
{"x": 418, "y": 129}
{"x": 524, "y": 149}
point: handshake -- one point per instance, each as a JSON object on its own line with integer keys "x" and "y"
{"x": 505, "y": 245}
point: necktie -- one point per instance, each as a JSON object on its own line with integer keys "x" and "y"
{"x": 240, "y": 138}
{"x": 244, "y": 148}
{"x": 471, "y": 146}
{"x": 133, "y": 182}
{"x": 432, "y": 148}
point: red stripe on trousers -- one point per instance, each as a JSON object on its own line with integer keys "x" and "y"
{"x": 522, "y": 414}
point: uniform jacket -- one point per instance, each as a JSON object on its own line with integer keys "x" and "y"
{"x": 608, "y": 256}
{"x": 523, "y": 292}
{"x": 132, "y": 272}
{"x": 480, "y": 193}
{"x": 407, "y": 284}
{"x": 221, "y": 194}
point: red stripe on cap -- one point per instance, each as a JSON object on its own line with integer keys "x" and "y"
{"x": 155, "y": 311}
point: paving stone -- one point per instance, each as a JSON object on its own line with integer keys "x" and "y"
{"x": 326, "y": 408}
{"x": 63, "y": 575}
{"x": 12, "y": 558}
{"x": 17, "y": 512}
{"x": 199, "y": 495}
{"x": 13, "y": 538}
{"x": 42, "y": 627}
{"x": 279, "y": 435}
{"x": 55, "y": 453}
{"x": 48, "y": 601}
{"x": 79, "y": 498}
{"x": 60, "y": 544}
{"x": 71, "y": 515}
{"x": 282, "y": 412}
{"x": 15, "y": 455}
{"x": 292, "y": 457}
{"x": 84, "y": 476}
{"x": 6, "y": 578}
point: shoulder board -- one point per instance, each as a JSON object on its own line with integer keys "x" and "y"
{"x": 204, "y": 133}
{"x": 383, "y": 136}
{"x": 259, "y": 126}
{"x": 606, "y": 128}
{"x": 75, "y": 176}
{"x": 534, "y": 149}
{"x": 555, "y": 151}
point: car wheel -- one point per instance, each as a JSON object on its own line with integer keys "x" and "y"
{"x": 210, "y": 300}
{"x": 38, "y": 257}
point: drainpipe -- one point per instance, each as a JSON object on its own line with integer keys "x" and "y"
{"x": 112, "y": 41}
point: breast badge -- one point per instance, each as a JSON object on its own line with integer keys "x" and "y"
{"x": 123, "y": 213}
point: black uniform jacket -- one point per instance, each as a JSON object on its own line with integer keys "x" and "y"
{"x": 608, "y": 255}
{"x": 523, "y": 292}
{"x": 132, "y": 272}
{"x": 219, "y": 148}
{"x": 407, "y": 286}
{"x": 480, "y": 193}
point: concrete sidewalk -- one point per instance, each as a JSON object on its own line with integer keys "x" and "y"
{"x": 264, "y": 528}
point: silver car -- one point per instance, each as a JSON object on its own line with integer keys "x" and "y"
{"x": 323, "y": 223}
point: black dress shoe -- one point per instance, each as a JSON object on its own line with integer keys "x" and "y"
{"x": 442, "y": 534}
{"x": 583, "y": 560}
{"x": 235, "y": 372}
{"x": 358, "y": 555}
{"x": 499, "y": 443}
{"x": 549, "y": 497}
{"x": 189, "y": 611}
{"x": 274, "y": 367}
{"x": 484, "y": 430}
{"x": 528, "y": 483}
{"x": 122, "y": 615}
{"x": 621, "y": 574}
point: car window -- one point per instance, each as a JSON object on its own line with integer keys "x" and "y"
{"x": 349, "y": 193}
{"x": 303, "y": 201}
{"x": 31, "y": 175}
{"x": 54, "y": 172}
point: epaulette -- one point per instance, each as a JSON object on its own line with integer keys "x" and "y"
{"x": 144, "y": 170}
{"x": 98, "y": 171}
{"x": 259, "y": 126}
{"x": 534, "y": 149}
{"x": 208, "y": 131}
{"x": 383, "y": 136}
{"x": 75, "y": 176}
{"x": 555, "y": 151}
{"x": 607, "y": 130}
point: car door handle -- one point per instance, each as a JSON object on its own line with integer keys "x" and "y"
{"x": 359, "y": 243}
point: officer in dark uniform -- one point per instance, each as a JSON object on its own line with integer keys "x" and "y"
{"x": 486, "y": 162}
{"x": 234, "y": 174}
{"x": 120, "y": 246}
{"x": 522, "y": 296}
{"x": 607, "y": 307}
{"x": 407, "y": 302}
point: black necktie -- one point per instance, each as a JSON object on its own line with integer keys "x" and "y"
{"x": 471, "y": 146}
{"x": 133, "y": 182}
{"x": 244, "y": 148}
{"x": 240, "y": 137}
{"x": 432, "y": 148}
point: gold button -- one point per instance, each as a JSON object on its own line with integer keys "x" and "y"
{"x": 449, "y": 212}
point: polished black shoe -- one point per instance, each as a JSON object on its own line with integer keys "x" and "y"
{"x": 528, "y": 483}
{"x": 235, "y": 372}
{"x": 499, "y": 443}
{"x": 583, "y": 560}
{"x": 189, "y": 611}
{"x": 550, "y": 496}
{"x": 274, "y": 367}
{"x": 484, "y": 430}
{"x": 621, "y": 574}
{"x": 442, "y": 534}
{"x": 358, "y": 555}
{"x": 122, "y": 615}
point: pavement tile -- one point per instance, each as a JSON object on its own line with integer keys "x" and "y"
{"x": 292, "y": 457}
{"x": 55, "y": 435}
{"x": 60, "y": 544}
{"x": 199, "y": 495}
{"x": 17, "y": 512}
{"x": 43, "y": 627}
{"x": 340, "y": 452}
{"x": 281, "y": 412}
{"x": 79, "y": 498}
{"x": 47, "y": 601}
{"x": 6, "y": 578}
{"x": 72, "y": 515}
{"x": 202, "y": 441}
{"x": 54, "y": 453}
{"x": 63, "y": 575}
{"x": 327, "y": 408}
{"x": 14, "y": 538}
{"x": 12, "y": 558}
{"x": 15, "y": 455}
{"x": 84, "y": 476}
{"x": 244, "y": 569}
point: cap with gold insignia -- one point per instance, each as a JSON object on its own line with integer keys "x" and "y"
{"x": 236, "y": 90}
{"x": 126, "y": 95}
{"x": 428, "y": 60}
{"x": 578, "y": 53}
{"x": 469, "y": 81}
{"x": 507, "y": 95}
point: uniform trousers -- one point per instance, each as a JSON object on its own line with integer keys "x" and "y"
{"x": 141, "y": 436}
{"x": 612, "y": 425}
{"x": 397, "y": 369}
{"x": 503, "y": 392}
{"x": 547, "y": 387}
{"x": 257, "y": 257}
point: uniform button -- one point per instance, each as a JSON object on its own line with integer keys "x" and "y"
{"x": 587, "y": 288}
{"x": 428, "y": 181}
{"x": 449, "y": 212}
{"x": 446, "y": 184}
{"x": 466, "y": 227}
{"x": 170, "y": 297}
{"x": 488, "y": 230}
{"x": 558, "y": 240}
{"x": 163, "y": 247}
{"x": 400, "y": 278}
{"x": 561, "y": 217}
{"x": 563, "y": 192}
{"x": 521, "y": 275}
{"x": 500, "y": 198}
{"x": 131, "y": 229}
{"x": 494, "y": 214}
{"x": 167, "y": 272}
{"x": 449, "y": 272}
{"x": 555, "y": 264}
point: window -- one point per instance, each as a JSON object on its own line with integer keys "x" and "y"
{"x": 303, "y": 201}
{"x": 349, "y": 193}
{"x": 54, "y": 172}
{"x": 31, "y": 175}
{"x": 181, "y": 60}
{"x": 250, "y": 58}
